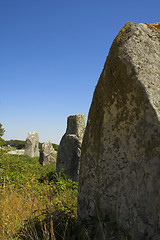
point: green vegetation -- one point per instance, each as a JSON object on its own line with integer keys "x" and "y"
{"x": 55, "y": 146}
{"x": 2, "y": 142}
{"x": 35, "y": 202}
{"x": 20, "y": 144}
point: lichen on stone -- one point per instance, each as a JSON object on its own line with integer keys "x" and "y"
{"x": 122, "y": 139}
{"x": 154, "y": 25}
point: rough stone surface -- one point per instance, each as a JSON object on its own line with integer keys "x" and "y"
{"x": 69, "y": 150}
{"x": 120, "y": 162}
{"x": 32, "y": 145}
{"x": 47, "y": 154}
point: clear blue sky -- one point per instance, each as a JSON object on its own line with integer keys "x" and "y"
{"x": 52, "y": 53}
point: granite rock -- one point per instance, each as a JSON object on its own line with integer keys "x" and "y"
{"x": 47, "y": 154}
{"x": 69, "y": 150}
{"x": 32, "y": 145}
{"x": 119, "y": 175}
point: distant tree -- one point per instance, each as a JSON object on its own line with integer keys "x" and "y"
{"x": 1, "y": 130}
{"x": 18, "y": 144}
{"x": 40, "y": 145}
{"x": 55, "y": 146}
{"x": 2, "y": 142}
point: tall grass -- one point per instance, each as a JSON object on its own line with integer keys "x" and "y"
{"x": 38, "y": 204}
{"x": 35, "y": 202}
{"x": 15, "y": 209}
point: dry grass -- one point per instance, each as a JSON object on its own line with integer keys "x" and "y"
{"x": 15, "y": 208}
{"x": 24, "y": 215}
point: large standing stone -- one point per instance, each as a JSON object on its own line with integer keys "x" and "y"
{"x": 69, "y": 150}
{"x": 32, "y": 145}
{"x": 120, "y": 163}
{"x": 47, "y": 154}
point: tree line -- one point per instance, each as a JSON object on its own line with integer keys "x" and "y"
{"x": 18, "y": 144}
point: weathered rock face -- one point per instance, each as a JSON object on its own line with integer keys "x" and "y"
{"x": 47, "y": 154}
{"x": 120, "y": 161}
{"x": 69, "y": 150}
{"x": 32, "y": 145}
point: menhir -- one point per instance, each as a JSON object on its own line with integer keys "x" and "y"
{"x": 47, "y": 154}
{"x": 32, "y": 145}
{"x": 119, "y": 175}
{"x": 69, "y": 150}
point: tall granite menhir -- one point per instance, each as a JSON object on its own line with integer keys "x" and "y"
{"x": 69, "y": 150}
{"x": 32, "y": 145}
{"x": 119, "y": 175}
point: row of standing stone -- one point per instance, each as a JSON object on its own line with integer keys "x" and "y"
{"x": 119, "y": 176}
{"x": 69, "y": 151}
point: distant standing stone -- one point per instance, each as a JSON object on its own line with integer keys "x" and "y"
{"x": 69, "y": 150}
{"x": 32, "y": 145}
{"x": 47, "y": 154}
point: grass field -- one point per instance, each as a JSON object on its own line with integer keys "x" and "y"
{"x": 38, "y": 204}
{"x": 35, "y": 202}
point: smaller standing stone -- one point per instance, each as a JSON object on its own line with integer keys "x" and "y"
{"x": 69, "y": 150}
{"x": 47, "y": 154}
{"x": 32, "y": 145}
